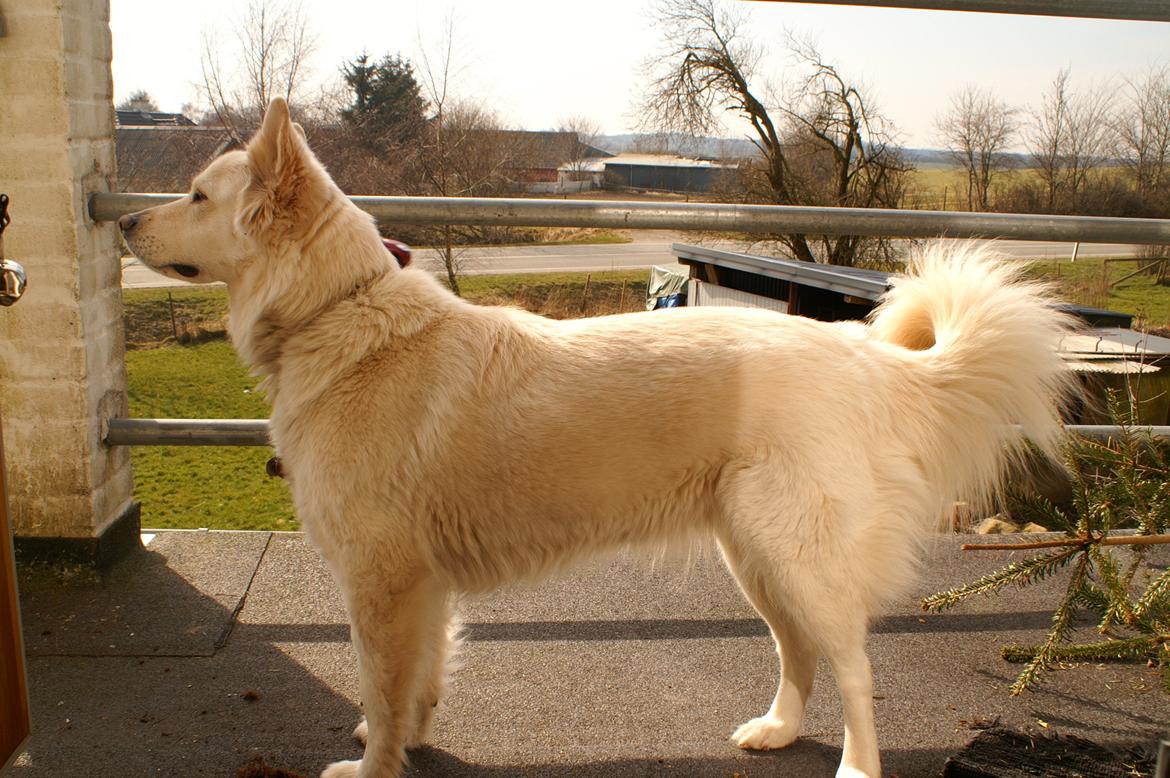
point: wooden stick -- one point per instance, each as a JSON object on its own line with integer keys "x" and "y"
{"x": 585, "y": 292}
{"x": 174, "y": 326}
{"x": 1111, "y": 540}
{"x": 1141, "y": 269}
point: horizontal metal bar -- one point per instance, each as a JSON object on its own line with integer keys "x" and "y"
{"x": 729, "y": 217}
{"x": 186, "y": 432}
{"x": 1141, "y": 10}
{"x": 1106, "y": 431}
{"x": 254, "y": 432}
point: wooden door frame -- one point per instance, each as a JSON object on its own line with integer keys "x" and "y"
{"x": 13, "y": 679}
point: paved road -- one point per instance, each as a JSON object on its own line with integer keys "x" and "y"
{"x": 640, "y": 253}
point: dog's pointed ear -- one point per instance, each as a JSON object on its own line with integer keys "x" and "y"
{"x": 278, "y": 160}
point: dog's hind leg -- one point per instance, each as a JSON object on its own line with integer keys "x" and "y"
{"x": 394, "y": 634}
{"x": 846, "y": 654}
{"x": 784, "y": 541}
{"x": 820, "y": 616}
{"x": 780, "y": 726}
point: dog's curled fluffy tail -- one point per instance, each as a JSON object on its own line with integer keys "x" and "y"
{"x": 991, "y": 374}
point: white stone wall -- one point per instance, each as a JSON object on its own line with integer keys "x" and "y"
{"x": 62, "y": 367}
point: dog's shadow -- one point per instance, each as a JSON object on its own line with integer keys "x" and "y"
{"x": 805, "y": 757}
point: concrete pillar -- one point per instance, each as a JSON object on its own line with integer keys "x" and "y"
{"x": 62, "y": 347}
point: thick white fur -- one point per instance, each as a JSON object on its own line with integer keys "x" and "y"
{"x": 436, "y": 447}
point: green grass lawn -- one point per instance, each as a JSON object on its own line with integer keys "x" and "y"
{"x": 1095, "y": 282}
{"x": 223, "y": 487}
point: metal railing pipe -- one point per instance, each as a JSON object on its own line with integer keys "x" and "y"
{"x": 186, "y": 432}
{"x": 1140, "y": 10}
{"x": 254, "y": 432}
{"x": 720, "y": 217}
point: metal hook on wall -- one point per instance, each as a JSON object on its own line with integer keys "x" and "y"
{"x": 13, "y": 279}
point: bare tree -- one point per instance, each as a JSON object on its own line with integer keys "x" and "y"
{"x": 435, "y": 76}
{"x": 1091, "y": 137}
{"x": 586, "y": 131}
{"x": 465, "y": 150}
{"x": 273, "y": 45}
{"x": 977, "y": 129}
{"x": 1047, "y": 137}
{"x": 823, "y": 143}
{"x": 1142, "y": 126}
{"x": 1069, "y": 138}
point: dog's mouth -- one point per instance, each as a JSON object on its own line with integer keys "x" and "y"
{"x": 186, "y": 271}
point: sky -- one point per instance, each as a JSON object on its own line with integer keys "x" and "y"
{"x": 539, "y": 62}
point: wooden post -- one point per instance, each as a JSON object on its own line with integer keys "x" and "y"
{"x": 174, "y": 325}
{"x": 14, "y": 716}
{"x": 585, "y": 293}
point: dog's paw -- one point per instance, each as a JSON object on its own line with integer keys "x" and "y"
{"x": 350, "y": 769}
{"x": 765, "y": 734}
{"x": 361, "y": 732}
{"x": 853, "y": 772}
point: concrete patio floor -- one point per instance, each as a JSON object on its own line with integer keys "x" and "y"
{"x": 206, "y": 649}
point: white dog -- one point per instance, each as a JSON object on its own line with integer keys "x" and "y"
{"x": 435, "y": 447}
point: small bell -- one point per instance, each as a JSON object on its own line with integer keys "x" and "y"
{"x": 13, "y": 279}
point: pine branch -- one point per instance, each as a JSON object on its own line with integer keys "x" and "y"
{"x": 1155, "y": 598}
{"x": 1018, "y": 573}
{"x": 1096, "y": 600}
{"x": 1121, "y": 482}
{"x": 1110, "y": 576}
{"x": 1164, "y": 665}
{"x": 1119, "y": 650}
{"x": 1061, "y": 627}
{"x": 1078, "y": 542}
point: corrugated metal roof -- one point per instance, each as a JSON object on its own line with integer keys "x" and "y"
{"x": 1114, "y": 350}
{"x": 856, "y": 282}
{"x": 1114, "y": 341}
{"x": 151, "y": 119}
{"x": 665, "y": 160}
{"x": 1112, "y": 366}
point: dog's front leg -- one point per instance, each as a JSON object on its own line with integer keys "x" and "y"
{"x": 392, "y": 633}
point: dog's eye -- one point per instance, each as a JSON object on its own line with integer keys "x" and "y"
{"x": 197, "y": 196}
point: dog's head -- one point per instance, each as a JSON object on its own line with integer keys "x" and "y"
{"x": 245, "y": 204}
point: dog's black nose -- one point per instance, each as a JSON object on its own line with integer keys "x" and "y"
{"x": 128, "y": 221}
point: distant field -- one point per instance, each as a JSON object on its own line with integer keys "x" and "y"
{"x": 945, "y": 188}
{"x": 936, "y": 189}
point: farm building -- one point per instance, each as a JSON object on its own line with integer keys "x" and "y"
{"x": 1106, "y": 354}
{"x": 164, "y": 158}
{"x": 539, "y": 157}
{"x": 661, "y": 172}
